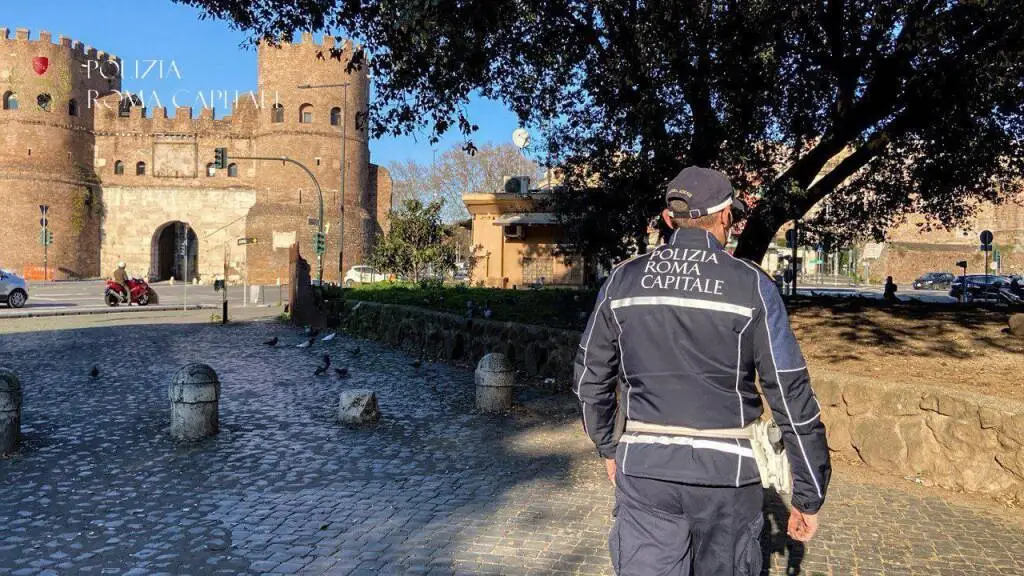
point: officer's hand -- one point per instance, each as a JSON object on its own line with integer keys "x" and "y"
{"x": 802, "y": 526}
{"x": 609, "y": 465}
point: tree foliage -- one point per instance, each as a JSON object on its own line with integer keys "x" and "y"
{"x": 417, "y": 243}
{"x": 878, "y": 108}
{"x": 456, "y": 172}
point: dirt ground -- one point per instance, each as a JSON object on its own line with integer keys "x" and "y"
{"x": 918, "y": 343}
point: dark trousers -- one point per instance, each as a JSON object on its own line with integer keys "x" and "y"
{"x": 670, "y": 529}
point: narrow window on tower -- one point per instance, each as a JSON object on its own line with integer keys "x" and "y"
{"x": 140, "y": 169}
{"x": 10, "y": 101}
{"x": 335, "y": 116}
{"x": 277, "y": 114}
{"x": 119, "y": 168}
{"x": 211, "y": 170}
{"x": 44, "y": 101}
{"x": 306, "y": 114}
{"x": 232, "y": 170}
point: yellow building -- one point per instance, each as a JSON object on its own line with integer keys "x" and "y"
{"x": 515, "y": 239}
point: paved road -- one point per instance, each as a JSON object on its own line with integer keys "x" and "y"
{"x": 938, "y": 296}
{"x": 88, "y": 295}
{"x": 435, "y": 488}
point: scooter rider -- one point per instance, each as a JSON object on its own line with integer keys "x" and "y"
{"x": 687, "y": 326}
{"x": 121, "y": 277}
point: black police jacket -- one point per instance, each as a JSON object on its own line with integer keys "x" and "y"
{"x": 686, "y": 327}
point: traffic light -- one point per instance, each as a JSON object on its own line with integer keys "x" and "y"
{"x": 49, "y": 237}
{"x": 46, "y": 237}
{"x": 319, "y": 244}
{"x": 220, "y": 158}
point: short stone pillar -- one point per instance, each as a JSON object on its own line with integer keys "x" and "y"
{"x": 10, "y": 411}
{"x": 194, "y": 393}
{"x": 1017, "y": 325}
{"x": 494, "y": 382}
{"x": 358, "y": 407}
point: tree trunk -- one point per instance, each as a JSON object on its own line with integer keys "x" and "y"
{"x": 757, "y": 236}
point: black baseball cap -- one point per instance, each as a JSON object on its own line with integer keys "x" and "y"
{"x": 697, "y": 192}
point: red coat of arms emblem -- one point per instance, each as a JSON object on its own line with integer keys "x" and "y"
{"x": 40, "y": 64}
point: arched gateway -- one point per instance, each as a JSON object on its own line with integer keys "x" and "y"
{"x": 174, "y": 252}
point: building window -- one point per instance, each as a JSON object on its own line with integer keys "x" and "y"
{"x": 44, "y": 101}
{"x": 140, "y": 169}
{"x": 306, "y": 114}
{"x": 10, "y": 101}
{"x": 211, "y": 170}
{"x": 232, "y": 170}
{"x": 124, "y": 108}
{"x": 277, "y": 114}
{"x": 73, "y": 107}
{"x": 119, "y": 168}
{"x": 335, "y": 116}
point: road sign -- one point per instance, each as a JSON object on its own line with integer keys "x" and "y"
{"x": 986, "y": 237}
{"x": 244, "y": 241}
{"x": 312, "y": 221}
{"x": 43, "y": 222}
{"x": 962, "y": 264}
{"x": 790, "y": 237}
{"x": 985, "y": 247}
{"x": 43, "y": 208}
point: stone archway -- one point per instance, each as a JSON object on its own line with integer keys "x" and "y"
{"x": 168, "y": 256}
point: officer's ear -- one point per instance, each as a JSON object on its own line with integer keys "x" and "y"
{"x": 666, "y": 216}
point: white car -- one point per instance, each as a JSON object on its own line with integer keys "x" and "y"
{"x": 13, "y": 289}
{"x": 363, "y": 275}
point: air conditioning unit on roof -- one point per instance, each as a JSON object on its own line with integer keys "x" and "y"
{"x": 517, "y": 185}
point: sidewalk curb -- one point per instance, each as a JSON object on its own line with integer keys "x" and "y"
{"x": 113, "y": 310}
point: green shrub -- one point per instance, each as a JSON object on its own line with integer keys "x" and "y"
{"x": 554, "y": 307}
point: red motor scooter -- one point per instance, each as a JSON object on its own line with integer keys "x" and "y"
{"x": 139, "y": 290}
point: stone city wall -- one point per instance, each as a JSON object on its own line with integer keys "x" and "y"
{"x": 955, "y": 440}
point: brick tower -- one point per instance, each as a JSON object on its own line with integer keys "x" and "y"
{"x": 46, "y": 152}
{"x": 304, "y": 108}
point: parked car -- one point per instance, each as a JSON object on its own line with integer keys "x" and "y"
{"x": 980, "y": 287}
{"x": 934, "y": 281}
{"x": 363, "y": 275}
{"x": 13, "y": 289}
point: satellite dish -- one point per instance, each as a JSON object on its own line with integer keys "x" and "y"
{"x": 521, "y": 138}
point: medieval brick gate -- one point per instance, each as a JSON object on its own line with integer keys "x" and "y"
{"x": 147, "y": 228}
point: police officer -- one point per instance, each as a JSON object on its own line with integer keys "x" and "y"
{"x": 687, "y": 326}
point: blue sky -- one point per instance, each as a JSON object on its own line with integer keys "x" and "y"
{"x": 207, "y": 55}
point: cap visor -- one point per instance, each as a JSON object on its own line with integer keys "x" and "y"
{"x": 739, "y": 209}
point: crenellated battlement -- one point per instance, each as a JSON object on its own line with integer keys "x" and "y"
{"x": 310, "y": 44}
{"x": 77, "y": 50}
{"x": 186, "y": 119}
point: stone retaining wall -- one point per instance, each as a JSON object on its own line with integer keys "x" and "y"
{"x": 952, "y": 439}
{"x": 537, "y": 351}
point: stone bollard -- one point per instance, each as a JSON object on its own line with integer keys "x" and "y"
{"x": 194, "y": 393}
{"x": 494, "y": 381}
{"x": 10, "y": 411}
{"x": 1017, "y": 325}
{"x": 358, "y": 407}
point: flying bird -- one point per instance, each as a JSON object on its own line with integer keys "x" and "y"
{"x": 271, "y": 342}
{"x": 341, "y": 372}
{"x": 321, "y": 369}
{"x": 95, "y": 372}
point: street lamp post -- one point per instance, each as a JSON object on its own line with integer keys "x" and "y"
{"x": 344, "y": 109}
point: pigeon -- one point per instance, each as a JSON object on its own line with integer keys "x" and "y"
{"x": 314, "y": 333}
{"x": 307, "y": 343}
{"x": 271, "y": 342}
{"x": 329, "y": 337}
{"x": 307, "y": 330}
{"x": 95, "y": 372}
{"x": 341, "y": 372}
{"x": 321, "y": 369}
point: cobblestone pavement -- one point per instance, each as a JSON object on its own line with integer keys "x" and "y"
{"x": 434, "y": 488}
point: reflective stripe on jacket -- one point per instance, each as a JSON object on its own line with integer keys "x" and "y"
{"x": 686, "y": 327}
